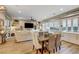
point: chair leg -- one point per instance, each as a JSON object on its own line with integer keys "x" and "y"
{"x": 53, "y": 50}
{"x": 49, "y": 52}
{"x": 56, "y": 48}
{"x": 60, "y": 46}
{"x": 39, "y": 51}
{"x": 33, "y": 47}
{"x": 36, "y": 51}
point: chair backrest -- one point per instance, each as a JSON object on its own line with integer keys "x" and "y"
{"x": 58, "y": 38}
{"x": 46, "y": 34}
{"x": 41, "y": 34}
{"x": 35, "y": 38}
{"x": 51, "y": 42}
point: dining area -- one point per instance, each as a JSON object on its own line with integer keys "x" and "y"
{"x": 46, "y": 42}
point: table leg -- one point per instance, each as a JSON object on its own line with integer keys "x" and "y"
{"x": 42, "y": 47}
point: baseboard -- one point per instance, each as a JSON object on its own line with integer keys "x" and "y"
{"x": 23, "y": 41}
{"x": 70, "y": 42}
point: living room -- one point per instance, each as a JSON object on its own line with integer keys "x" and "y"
{"x": 19, "y": 23}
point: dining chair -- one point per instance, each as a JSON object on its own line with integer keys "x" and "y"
{"x": 36, "y": 44}
{"x": 51, "y": 44}
{"x": 43, "y": 40}
{"x": 3, "y": 36}
{"x": 58, "y": 41}
{"x": 41, "y": 34}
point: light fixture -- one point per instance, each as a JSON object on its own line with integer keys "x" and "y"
{"x": 61, "y": 9}
{"x": 32, "y": 19}
{"x": 19, "y": 11}
{"x": 1, "y": 7}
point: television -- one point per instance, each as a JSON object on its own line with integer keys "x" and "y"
{"x": 28, "y": 25}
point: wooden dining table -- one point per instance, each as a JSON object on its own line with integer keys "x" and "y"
{"x": 44, "y": 39}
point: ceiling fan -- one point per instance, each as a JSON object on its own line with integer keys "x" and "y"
{"x": 32, "y": 19}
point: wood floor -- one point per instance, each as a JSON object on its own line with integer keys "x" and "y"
{"x": 10, "y": 47}
{"x": 69, "y": 48}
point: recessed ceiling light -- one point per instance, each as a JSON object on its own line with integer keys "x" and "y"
{"x": 19, "y": 11}
{"x": 61, "y": 9}
{"x": 1, "y": 7}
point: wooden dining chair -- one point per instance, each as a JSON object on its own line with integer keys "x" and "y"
{"x": 51, "y": 44}
{"x": 36, "y": 44}
{"x": 58, "y": 41}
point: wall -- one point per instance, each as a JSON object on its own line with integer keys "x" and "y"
{"x": 20, "y": 25}
{"x": 71, "y": 37}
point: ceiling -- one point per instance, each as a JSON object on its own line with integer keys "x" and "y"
{"x": 38, "y": 12}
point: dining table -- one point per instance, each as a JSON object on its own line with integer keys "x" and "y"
{"x": 43, "y": 39}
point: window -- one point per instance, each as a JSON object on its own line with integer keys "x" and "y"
{"x": 69, "y": 22}
{"x": 51, "y": 26}
{"x": 46, "y": 26}
{"x": 56, "y": 25}
{"x": 64, "y": 24}
{"x": 75, "y": 24}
